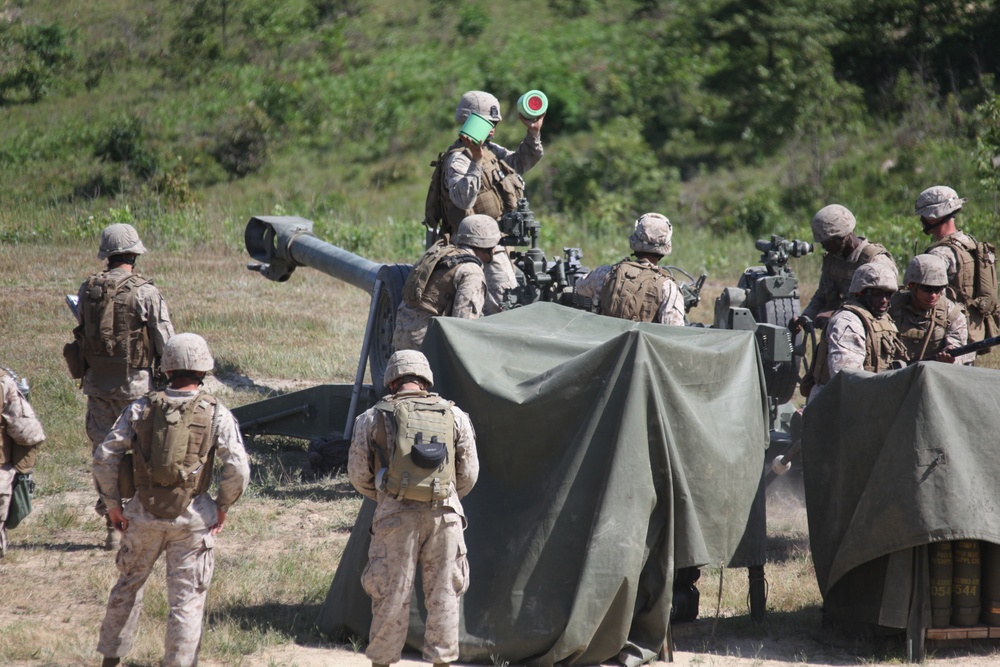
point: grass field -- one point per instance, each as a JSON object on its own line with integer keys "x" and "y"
{"x": 282, "y": 544}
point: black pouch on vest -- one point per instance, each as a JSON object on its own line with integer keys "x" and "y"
{"x": 428, "y": 455}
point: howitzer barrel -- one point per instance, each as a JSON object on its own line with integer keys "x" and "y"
{"x": 281, "y": 243}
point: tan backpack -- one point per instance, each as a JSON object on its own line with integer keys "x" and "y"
{"x": 420, "y": 465}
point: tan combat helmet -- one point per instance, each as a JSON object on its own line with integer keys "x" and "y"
{"x": 478, "y": 231}
{"x": 652, "y": 234}
{"x": 120, "y": 239}
{"x": 928, "y": 270}
{"x": 408, "y": 362}
{"x": 832, "y": 222}
{"x": 872, "y": 275}
{"x": 938, "y": 202}
{"x": 187, "y": 352}
{"x": 477, "y": 101}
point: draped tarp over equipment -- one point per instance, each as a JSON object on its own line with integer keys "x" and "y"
{"x": 892, "y": 462}
{"x": 611, "y": 453}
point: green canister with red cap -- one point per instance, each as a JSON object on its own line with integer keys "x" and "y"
{"x": 532, "y": 104}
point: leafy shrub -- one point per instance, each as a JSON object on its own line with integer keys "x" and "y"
{"x": 124, "y": 142}
{"x": 472, "y": 21}
{"x": 241, "y": 145}
{"x": 32, "y": 57}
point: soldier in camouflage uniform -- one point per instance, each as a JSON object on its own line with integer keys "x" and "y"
{"x": 639, "y": 290}
{"x": 833, "y": 228}
{"x": 20, "y": 435}
{"x": 448, "y": 281}
{"x": 487, "y": 179}
{"x": 407, "y": 533}
{"x": 929, "y": 322}
{"x": 123, "y": 325}
{"x": 860, "y": 334}
{"x": 180, "y": 431}
{"x": 938, "y": 208}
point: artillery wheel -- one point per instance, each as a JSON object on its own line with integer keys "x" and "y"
{"x": 783, "y": 378}
{"x": 392, "y": 276}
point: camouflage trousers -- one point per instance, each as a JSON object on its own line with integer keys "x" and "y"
{"x": 433, "y": 540}
{"x": 500, "y": 277}
{"x": 102, "y": 413}
{"x": 190, "y": 563}
{"x": 7, "y": 473}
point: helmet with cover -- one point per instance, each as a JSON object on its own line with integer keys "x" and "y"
{"x": 938, "y": 202}
{"x": 832, "y": 221}
{"x": 187, "y": 352}
{"x": 482, "y": 103}
{"x": 652, "y": 234}
{"x": 408, "y": 362}
{"x": 928, "y": 270}
{"x": 874, "y": 276}
{"x": 120, "y": 239}
{"x": 478, "y": 231}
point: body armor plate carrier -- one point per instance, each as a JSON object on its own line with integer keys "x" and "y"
{"x": 420, "y": 422}
{"x": 632, "y": 291}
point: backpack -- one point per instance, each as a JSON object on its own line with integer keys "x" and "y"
{"x": 421, "y": 463}
{"x": 172, "y": 461}
{"x": 632, "y": 291}
{"x": 436, "y": 204}
{"x": 978, "y": 274}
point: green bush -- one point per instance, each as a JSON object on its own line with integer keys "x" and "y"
{"x": 241, "y": 144}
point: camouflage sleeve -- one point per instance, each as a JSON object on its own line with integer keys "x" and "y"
{"x": 79, "y": 300}
{"x": 361, "y": 461}
{"x": 466, "y": 457}
{"x": 590, "y": 285}
{"x": 845, "y": 335}
{"x": 157, "y": 317}
{"x": 499, "y": 275}
{"x": 958, "y": 334}
{"x": 109, "y": 453}
{"x": 470, "y": 292}
{"x": 527, "y": 155}
{"x": 949, "y": 256}
{"x": 19, "y": 417}
{"x": 671, "y": 309}
{"x": 824, "y": 297}
{"x": 235, "y": 474}
{"x": 463, "y": 179}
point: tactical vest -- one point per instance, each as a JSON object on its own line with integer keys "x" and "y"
{"x": 499, "y": 189}
{"x": 922, "y": 334}
{"x": 416, "y": 418}
{"x": 431, "y": 284}
{"x": 112, "y": 335}
{"x": 974, "y": 285}
{"x": 882, "y": 344}
{"x": 633, "y": 291}
{"x": 174, "y": 452}
{"x": 841, "y": 271}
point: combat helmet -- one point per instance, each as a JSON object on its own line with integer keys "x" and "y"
{"x": 652, "y": 234}
{"x": 120, "y": 239}
{"x": 938, "y": 202}
{"x": 832, "y": 222}
{"x": 929, "y": 270}
{"x": 478, "y": 231}
{"x": 408, "y": 362}
{"x": 187, "y": 352}
{"x": 876, "y": 276}
{"x": 482, "y": 103}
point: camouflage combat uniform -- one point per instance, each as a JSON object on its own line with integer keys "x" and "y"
{"x": 459, "y": 292}
{"x": 492, "y": 188}
{"x": 930, "y": 331}
{"x": 20, "y": 435}
{"x": 107, "y": 396}
{"x": 187, "y": 540}
{"x": 835, "y": 276}
{"x": 408, "y": 533}
{"x": 671, "y": 308}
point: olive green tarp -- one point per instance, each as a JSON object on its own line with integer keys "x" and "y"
{"x": 891, "y": 463}
{"x": 611, "y": 453}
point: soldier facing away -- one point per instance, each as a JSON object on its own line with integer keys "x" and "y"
{"x": 833, "y": 228}
{"x": 20, "y": 436}
{"x": 123, "y": 327}
{"x": 447, "y": 281}
{"x": 483, "y": 179}
{"x": 929, "y": 322}
{"x": 639, "y": 290}
{"x": 860, "y": 334}
{"x": 414, "y": 453}
{"x": 970, "y": 264}
{"x": 175, "y": 436}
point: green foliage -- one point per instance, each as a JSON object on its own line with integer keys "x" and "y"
{"x": 125, "y": 142}
{"x": 241, "y": 144}
{"x": 987, "y": 152}
{"x": 32, "y": 58}
{"x": 472, "y": 21}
